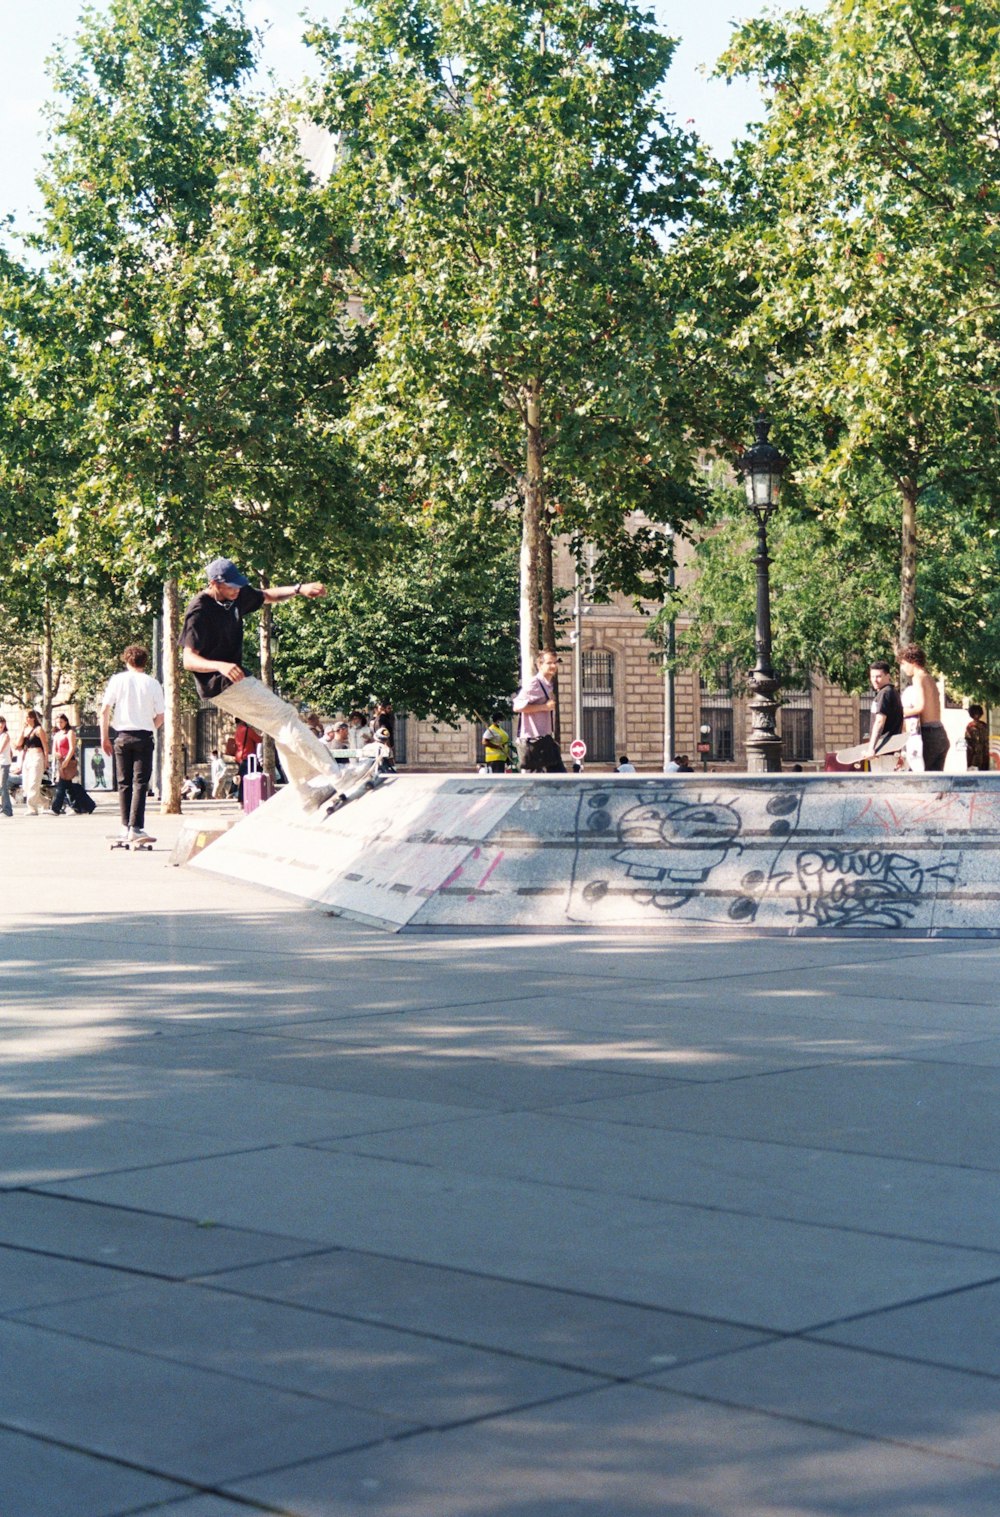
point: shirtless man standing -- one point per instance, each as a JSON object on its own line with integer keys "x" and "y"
{"x": 924, "y": 700}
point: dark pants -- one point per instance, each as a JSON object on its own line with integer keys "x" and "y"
{"x": 134, "y": 757}
{"x": 76, "y": 795}
{"x": 936, "y": 744}
{"x": 496, "y": 766}
{"x": 542, "y": 756}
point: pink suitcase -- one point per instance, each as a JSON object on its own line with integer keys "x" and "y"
{"x": 257, "y": 787}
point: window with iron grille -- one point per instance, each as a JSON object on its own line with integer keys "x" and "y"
{"x": 598, "y": 689}
{"x": 796, "y": 721}
{"x": 717, "y": 716}
{"x": 864, "y": 718}
{"x": 400, "y": 735}
{"x": 206, "y": 734}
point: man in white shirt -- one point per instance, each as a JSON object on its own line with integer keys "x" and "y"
{"x": 133, "y": 703}
{"x": 219, "y": 772}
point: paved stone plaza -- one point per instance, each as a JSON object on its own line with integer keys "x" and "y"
{"x": 298, "y": 1217}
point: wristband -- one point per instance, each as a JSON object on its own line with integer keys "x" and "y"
{"x": 298, "y": 588}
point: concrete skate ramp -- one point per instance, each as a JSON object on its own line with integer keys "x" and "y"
{"x": 798, "y": 853}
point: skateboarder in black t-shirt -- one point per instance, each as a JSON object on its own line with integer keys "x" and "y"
{"x": 211, "y": 644}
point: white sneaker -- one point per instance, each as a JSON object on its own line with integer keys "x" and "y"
{"x": 124, "y": 835}
{"x": 140, "y": 835}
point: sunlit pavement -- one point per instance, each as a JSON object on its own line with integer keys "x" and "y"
{"x": 302, "y": 1218}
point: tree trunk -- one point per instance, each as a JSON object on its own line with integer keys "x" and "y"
{"x": 267, "y": 670}
{"x": 908, "y": 563}
{"x": 46, "y": 670}
{"x": 531, "y": 531}
{"x": 548, "y": 611}
{"x": 171, "y": 735}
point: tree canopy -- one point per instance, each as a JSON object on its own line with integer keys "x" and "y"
{"x": 860, "y": 261}
{"x": 510, "y": 175}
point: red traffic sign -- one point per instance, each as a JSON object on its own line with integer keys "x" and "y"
{"x": 578, "y": 749}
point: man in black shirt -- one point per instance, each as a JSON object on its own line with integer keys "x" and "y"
{"x": 887, "y": 708}
{"x": 211, "y": 644}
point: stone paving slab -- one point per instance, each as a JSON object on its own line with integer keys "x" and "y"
{"x": 192, "y": 1105}
{"x": 552, "y": 1326}
{"x": 650, "y": 1253}
{"x": 960, "y": 1330}
{"x": 401, "y": 1374}
{"x": 697, "y": 1042}
{"x": 936, "y": 1410}
{"x": 904, "y": 1109}
{"x": 936, "y": 1202}
{"x": 364, "y": 1068}
{"x": 133, "y": 1239}
{"x": 204, "y": 1506}
{"x": 629, "y": 1452}
{"x": 40, "y": 1479}
{"x": 176, "y": 1422}
{"x": 32, "y": 1280}
{"x": 95, "y": 1144}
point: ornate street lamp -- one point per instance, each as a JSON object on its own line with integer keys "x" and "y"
{"x": 762, "y": 467}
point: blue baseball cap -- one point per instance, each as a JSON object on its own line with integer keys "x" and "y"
{"x": 226, "y": 570}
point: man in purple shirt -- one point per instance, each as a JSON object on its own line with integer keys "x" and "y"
{"x": 535, "y": 703}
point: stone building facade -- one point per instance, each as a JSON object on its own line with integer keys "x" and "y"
{"x": 625, "y": 703}
{"x": 624, "y": 708}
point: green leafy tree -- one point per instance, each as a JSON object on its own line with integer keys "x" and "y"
{"x": 834, "y": 593}
{"x": 860, "y": 260}
{"x": 194, "y": 281}
{"x": 432, "y": 627}
{"x": 510, "y": 175}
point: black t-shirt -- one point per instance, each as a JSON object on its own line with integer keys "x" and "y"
{"x": 215, "y": 630}
{"x": 888, "y": 704}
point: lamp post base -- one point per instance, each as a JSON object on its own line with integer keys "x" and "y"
{"x": 764, "y": 757}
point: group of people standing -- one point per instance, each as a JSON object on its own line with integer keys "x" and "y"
{"x": 915, "y": 715}
{"x": 31, "y": 752}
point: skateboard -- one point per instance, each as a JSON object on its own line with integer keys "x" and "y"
{"x": 347, "y": 786}
{"x": 146, "y": 846}
{"x": 859, "y": 753}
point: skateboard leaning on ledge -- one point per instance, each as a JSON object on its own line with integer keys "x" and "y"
{"x": 855, "y": 757}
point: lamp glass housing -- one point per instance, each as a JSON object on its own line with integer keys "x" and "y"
{"x": 762, "y": 467}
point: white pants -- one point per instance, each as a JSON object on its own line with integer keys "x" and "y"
{"x": 32, "y": 769}
{"x": 302, "y": 753}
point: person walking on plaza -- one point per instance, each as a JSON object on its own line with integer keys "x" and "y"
{"x": 220, "y": 778}
{"x": 133, "y": 704}
{"x": 34, "y": 749}
{"x": 886, "y": 708}
{"x": 496, "y": 747}
{"x": 64, "y": 756}
{"x": 977, "y": 740}
{"x": 923, "y": 701}
{"x": 535, "y": 704}
{"x": 211, "y": 644}
{"x": 6, "y": 759}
